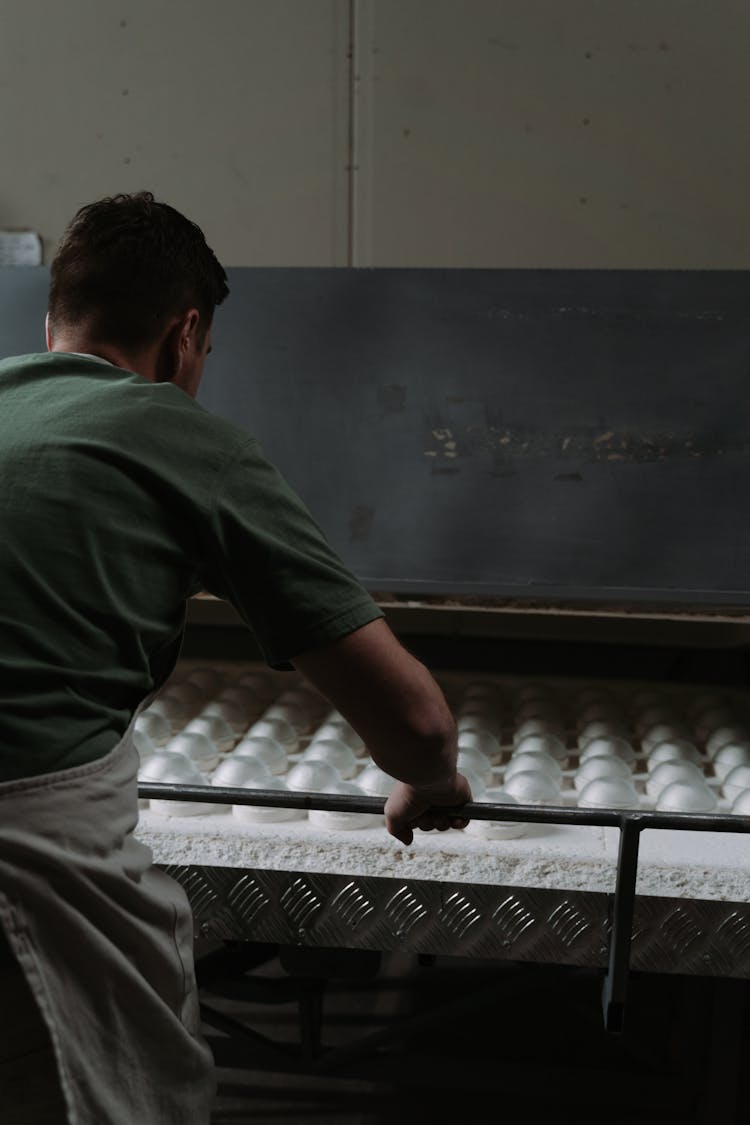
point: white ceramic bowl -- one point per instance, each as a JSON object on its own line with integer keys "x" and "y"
{"x": 658, "y": 715}
{"x": 606, "y": 767}
{"x": 279, "y": 729}
{"x": 478, "y": 717}
{"x": 171, "y": 768}
{"x": 266, "y": 750}
{"x": 215, "y": 728}
{"x": 723, "y": 735}
{"x": 156, "y": 727}
{"x": 335, "y": 752}
{"x": 343, "y": 821}
{"x": 729, "y": 756}
{"x": 674, "y": 750}
{"x": 341, "y": 729}
{"x": 662, "y": 732}
{"x": 251, "y": 703}
{"x": 476, "y": 782}
{"x": 534, "y": 760}
{"x": 538, "y": 726}
{"x": 496, "y": 829}
{"x": 482, "y": 740}
{"x": 741, "y": 804}
{"x": 230, "y": 711}
{"x": 311, "y": 776}
{"x": 686, "y": 796}
{"x": 736, "y": 782}
{"x": 601, "y": 728}
{"x": 197, "y": 747}
{"x": 298, "y": 715}
{"x": 532, "y": 787}
{"x": 174, "y": 769}
{"x": 375, "y": 782}
{"x": 170, "y": 709}
{"x": 609, "y": 793}
{"x": 237, "y": 771}
{"x": 177, "y": 705}
{"x": 548, "y": 743}
{"x": 472, "y": 759}
{"x": 608, "y": 747}
{"x": 666, "y": 772}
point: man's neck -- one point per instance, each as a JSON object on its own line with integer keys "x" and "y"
{"x": 142, "y": 364}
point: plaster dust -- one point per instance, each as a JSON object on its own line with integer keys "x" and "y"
{"x": 695, "y": 865}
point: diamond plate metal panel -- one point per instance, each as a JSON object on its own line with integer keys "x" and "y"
{"x": 709, "y": 938}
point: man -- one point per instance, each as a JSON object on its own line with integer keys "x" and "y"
{"x": 121, "y": 498}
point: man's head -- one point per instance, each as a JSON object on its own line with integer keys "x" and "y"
{"x": 128, "y": 271}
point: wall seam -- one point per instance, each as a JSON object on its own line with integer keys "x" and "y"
{"x": 351, "y": 169}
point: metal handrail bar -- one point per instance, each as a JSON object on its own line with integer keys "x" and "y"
{"x": 473, "y": 810}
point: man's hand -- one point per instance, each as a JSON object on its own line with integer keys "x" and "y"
{"x": 408, "y": 808}
{"x": 397, "y": 707}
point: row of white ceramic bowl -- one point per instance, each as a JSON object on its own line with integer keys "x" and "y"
{"x": 671, "y": 775}
{"x": 531, "y": 777}
{"x": 652, "y": 715}
{"x": 646, "y": 716}
{"x": 276, "y": 736}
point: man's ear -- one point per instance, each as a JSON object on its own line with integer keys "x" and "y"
{"x": 48, "y": 333}
{"x": 176, "y": 349}
{"x": 189, "y": 335}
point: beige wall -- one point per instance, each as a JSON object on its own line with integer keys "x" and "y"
{"x": 234, "y": 111}
{"x": 476, "y": 132}
{"x": 555, "y": 133}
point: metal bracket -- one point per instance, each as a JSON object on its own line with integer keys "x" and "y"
{"x": 616, "y": 981}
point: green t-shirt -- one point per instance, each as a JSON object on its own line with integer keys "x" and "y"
{"x": 119, "y": 499}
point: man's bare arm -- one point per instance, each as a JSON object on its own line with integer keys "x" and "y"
{"x": 395, "y": 705}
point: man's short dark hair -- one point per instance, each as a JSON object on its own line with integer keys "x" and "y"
{"x": 126, "y": 265}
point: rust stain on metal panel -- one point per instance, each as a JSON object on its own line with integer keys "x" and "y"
{"x": 505, "y": 444}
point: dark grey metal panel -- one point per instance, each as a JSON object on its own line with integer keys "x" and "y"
{"x": 697, "y": 938}
{"x": 23, "y": 305}
{"x": 534, "y": 434}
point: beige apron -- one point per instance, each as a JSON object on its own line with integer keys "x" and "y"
{"x": 104, "y": 940}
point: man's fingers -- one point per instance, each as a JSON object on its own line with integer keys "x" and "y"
{"x": 401, "y": 832}
{"x": 425, "y": 823}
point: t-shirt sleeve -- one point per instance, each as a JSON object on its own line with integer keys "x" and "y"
{"x": 272, "y": 562}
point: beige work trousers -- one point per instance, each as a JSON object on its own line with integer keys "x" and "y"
{"x": 103, "y": 943}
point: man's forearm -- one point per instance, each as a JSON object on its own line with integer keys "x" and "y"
{"x": 391, "y": 700}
